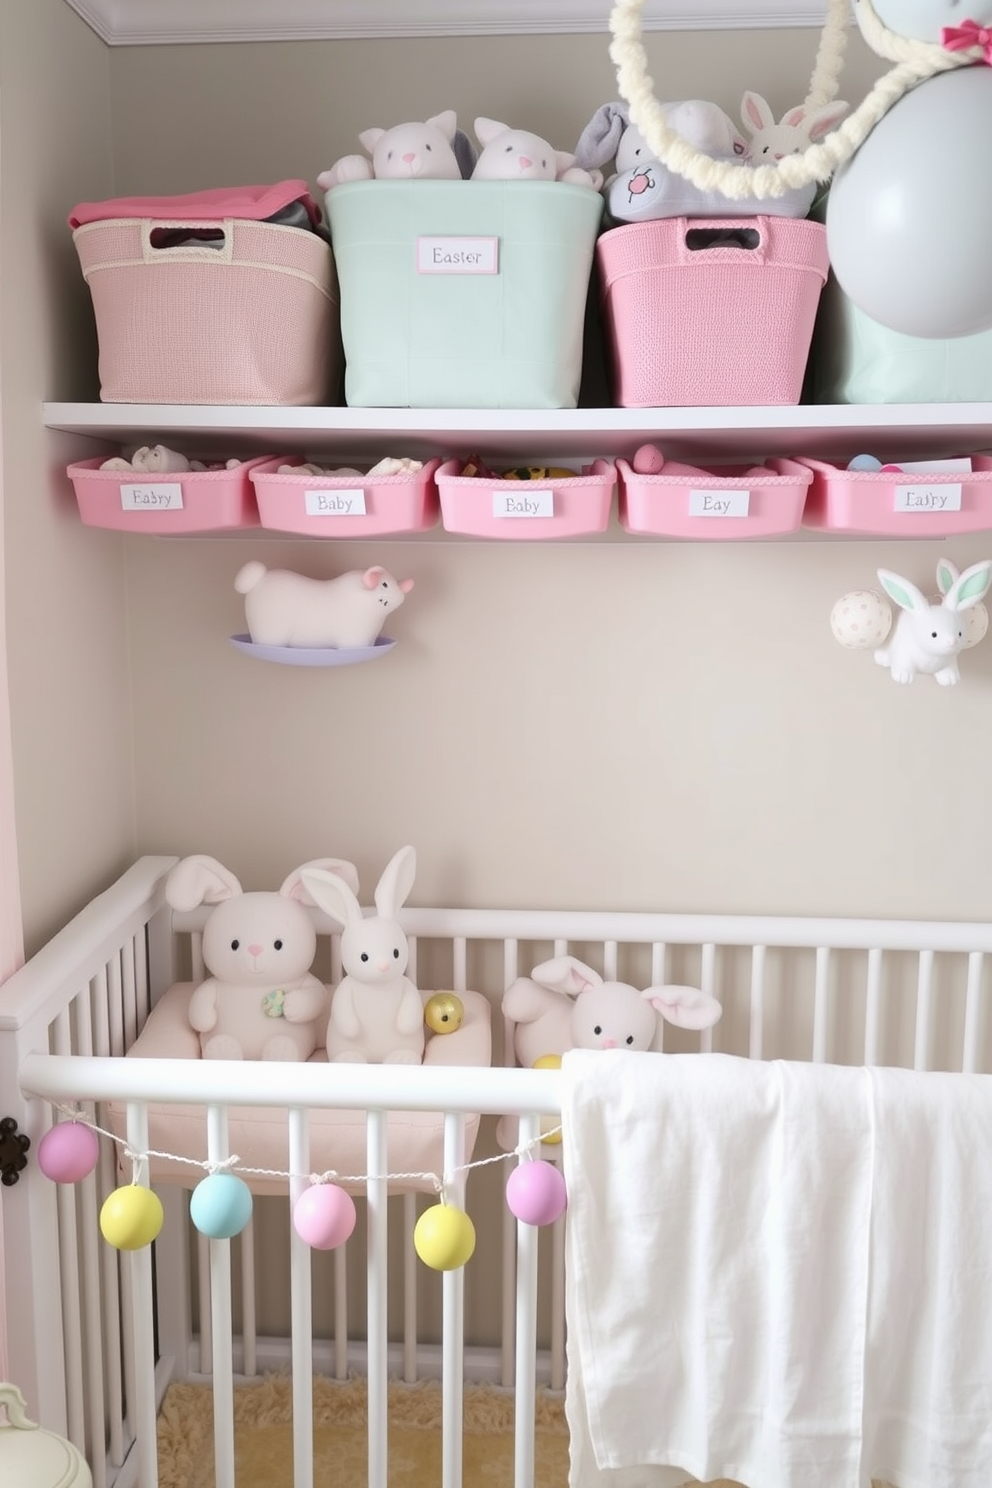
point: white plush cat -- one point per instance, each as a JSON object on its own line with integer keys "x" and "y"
{"x": 406, "y": 152}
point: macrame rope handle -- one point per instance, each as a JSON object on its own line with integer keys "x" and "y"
{"x": 916, "y": 60}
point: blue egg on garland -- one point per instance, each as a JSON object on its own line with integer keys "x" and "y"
{"x": 221, "y": 1206}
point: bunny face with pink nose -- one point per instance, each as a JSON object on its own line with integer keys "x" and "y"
{"x": 260, "y": 1000}
{"x": 928, "y": 637}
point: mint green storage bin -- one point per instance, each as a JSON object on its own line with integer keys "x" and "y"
{"x": 504, "y": 330}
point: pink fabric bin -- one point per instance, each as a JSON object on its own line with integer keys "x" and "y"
{"x": 691, "y": 320}
{"x": 251, "y": 321}
{"x": 760, "y": 502}
{"x": 165, "y": 505}
{"x": 478, "y": 507}
{"x": 881, "y": 503}
{"x": 340, "y": 506}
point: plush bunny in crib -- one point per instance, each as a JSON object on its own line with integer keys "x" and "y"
{"x": 565, "y": 1004}
{"x": 377, "y": 1014}
{"x": 261, "y": 1000}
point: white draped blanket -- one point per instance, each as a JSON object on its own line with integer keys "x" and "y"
{"x": 779, "y": 1273}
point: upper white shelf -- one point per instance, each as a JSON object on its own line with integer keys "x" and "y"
{"x": 909, "y": 430}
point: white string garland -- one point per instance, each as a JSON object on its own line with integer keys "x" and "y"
{"x": 916, "y": 61}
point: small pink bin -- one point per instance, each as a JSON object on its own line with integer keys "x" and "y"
{"x": 522, "y": 509}
{"x": 165, "y": 505}
{"x": 710, "y": 313}
{"x": 889, "y": 503}
{"x": 729, "y": 502}
{"x": 340, "y": 506}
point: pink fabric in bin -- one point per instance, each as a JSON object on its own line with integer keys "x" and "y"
{"x": 259, "y": 1136}
{"x": 715, "y": 324}
{"x": 254, "y": 203}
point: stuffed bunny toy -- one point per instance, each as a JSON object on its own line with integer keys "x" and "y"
{"x": 929, "y": 635}
{"x": 610, "y": 136}
{"x": 434, "y": 150}
{"x": 518, "y": 155}
{"x": 377, "y": 1014}
{"x": 261, "y": 1000}
{"x": 289, "y": 609}
{"x": 798, "y": 128}
{"x": 565, "y": 1004}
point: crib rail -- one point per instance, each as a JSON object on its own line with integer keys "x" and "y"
{"x": 94, "y": 1339}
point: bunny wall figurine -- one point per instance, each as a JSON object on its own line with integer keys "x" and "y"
{"x": 261, "y": 1000}
{"x": 797, "y": 129}
{"x": 377, "y": 1014}
{"x": 288, "y": 609}
{"x": 929, "y": 633}
{"x": 565, "y": 1004}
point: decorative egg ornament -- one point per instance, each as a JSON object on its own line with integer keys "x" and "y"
{"x": 444, "y": 1237}
{"x": 220, "y": 1206}
{"x": 861, "y": 619}
{"x": 324, "y": 1216}
{"x": 68, "y": 1152}
{"x": 535, "y": 1192}
{"x": 548, "y": 1123}
{"x": 131, "y": 1217}
{"x": 909, "y": 216}
{"x": 444, "y": 1012}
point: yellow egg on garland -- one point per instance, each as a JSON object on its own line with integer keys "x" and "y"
{"x": 548, "y": 1123}
{"x": 444, "y": 1012}
{"x": 444, "y": 1237}
{"x": 131, "y": 1217}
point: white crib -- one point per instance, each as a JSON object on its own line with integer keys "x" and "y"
{"x": 96, "y": 1335}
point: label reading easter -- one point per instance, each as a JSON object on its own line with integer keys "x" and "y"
{"x": 527, "y": 503}
{"x": 928, "y": 498}
{"x": 153, "y": 496}
{"x": 719, "y": 503}
{"x": 349, "y": 501}
{"x": 458, "y": 255}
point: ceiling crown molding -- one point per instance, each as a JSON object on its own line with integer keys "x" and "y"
{"x": 152, "y": 22}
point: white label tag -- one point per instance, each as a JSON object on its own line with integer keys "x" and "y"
{"x": 348, "y": 501}
{"x": 528, "y": 504}
{"x": 154, "y": 496}
{"x": 924, "y": 498}
{"x": 458, "y": 255}
{"x": 719, "y": 503}
{"x": 934, "y": 467}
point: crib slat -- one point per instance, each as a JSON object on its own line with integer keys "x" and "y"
{"x": 249, "y": 1327}
{"x": 90, "y": 1259}
{"x": 707, "y": 983}
{"x": 557, "y": 1238}
{"x": 453, "y": 1321}
{"x": 301, "y": 1307}
{"x": 139, "y": 1267}
{"x": 220, "y": 1317}
{"x": 511, "y": 970}
{"x": 72, "y": 1325}
{"x": 409, "y": 1289}
{"x": 609, "y": 961}
{"x": 659, "y": 962}
{"x": 969, "y": 1058}
{"x": 873, "y": 1005}
{"x": 756, "y": 1022}
{"x": 112, "y": 1321}
{"x": 206, "y": 1326}
{"x": 524, "y": 1400}
{"x": 341, "y": 1312}
{"x": 378, "y": 1336}
{"x": 924, "y": 997}
{"x": 820, "y": 1004}
{"x": 459, "y": 963}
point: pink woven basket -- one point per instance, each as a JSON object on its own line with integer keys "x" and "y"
{"x": 249, "y": 319}
{"x": 710, "y": 312}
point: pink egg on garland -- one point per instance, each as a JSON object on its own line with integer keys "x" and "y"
{"x": 68, "y": 1152}
{"x": 324, "y": 1216}
{"x": 535, "y": 1192}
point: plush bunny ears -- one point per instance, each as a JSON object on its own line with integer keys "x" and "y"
{"x": 960, "y": 591}
{"x": 199, "y": 879}
{"x": 599, "y": 140}
{"x": 685, "y": 1007}
{"x": 339, "y": 898}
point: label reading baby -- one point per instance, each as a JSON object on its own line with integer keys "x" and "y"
{"x": 331, "y": 502}
{"x": 525, "y": 503}
{"x": 719, "y": 503}
{"x": 152, "y": 496}
{"x": 928, "y": 498}
{"x": 458, "y": 255}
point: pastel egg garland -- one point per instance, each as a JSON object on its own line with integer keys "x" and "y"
{"x": 324, "y": 1216}
{"x": 535, "y": 1192}
{"x": 444, "y": 1237}
{"x": 131, "y": 1217}
{"x": 68, "y": 1152}
{"x": 220, "y": 1206}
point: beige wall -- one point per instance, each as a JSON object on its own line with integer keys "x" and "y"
{"x": 66, "y": 618}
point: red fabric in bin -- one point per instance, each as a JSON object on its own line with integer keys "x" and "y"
{"x": 251, "y": 203}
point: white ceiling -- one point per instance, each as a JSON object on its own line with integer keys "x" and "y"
{"x": 148, "y": 22}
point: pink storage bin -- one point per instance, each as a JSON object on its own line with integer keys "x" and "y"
{"x": 339, "y": 506}
{"x": 730, "y": 502}
{"x": 691, "y": 320}
{"x": 253, "y": 320}
{"x": 481, "y": 507}
{"x": 165, "y": 505}
{"x": 881, "y": 503}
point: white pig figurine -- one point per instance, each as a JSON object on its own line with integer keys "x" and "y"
{"x": 289, "y": 609}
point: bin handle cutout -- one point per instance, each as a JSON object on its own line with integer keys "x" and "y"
{"x": 724, "y": 241}
{"x": 163, "y": 241}
{"x": 699, "y": 239}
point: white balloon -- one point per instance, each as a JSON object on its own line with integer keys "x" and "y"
{"x": 909, "y": 217}
{"x": 924, "y": 19}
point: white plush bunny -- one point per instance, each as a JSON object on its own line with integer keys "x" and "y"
{"x": 407, "y": 152}
{"x": 261, "y": 1000}
{"x": 797, "y": 129}
{"x": 377, "y": 1014}
{"x": 519, "y": 155}
{"x": 929, "y": 636}
{"x": 564, "y": 1004}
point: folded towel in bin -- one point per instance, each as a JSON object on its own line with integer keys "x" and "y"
{"x": 249, "y": 203}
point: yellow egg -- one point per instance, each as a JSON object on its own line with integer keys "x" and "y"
{"x": 444, "y": 1012}
{"x": 548, "y": 1123}
{"x": 444, "y": 1237}
{"x": 131, "y": 1217}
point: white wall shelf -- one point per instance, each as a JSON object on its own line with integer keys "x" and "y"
{"x": 528, "y": 435}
